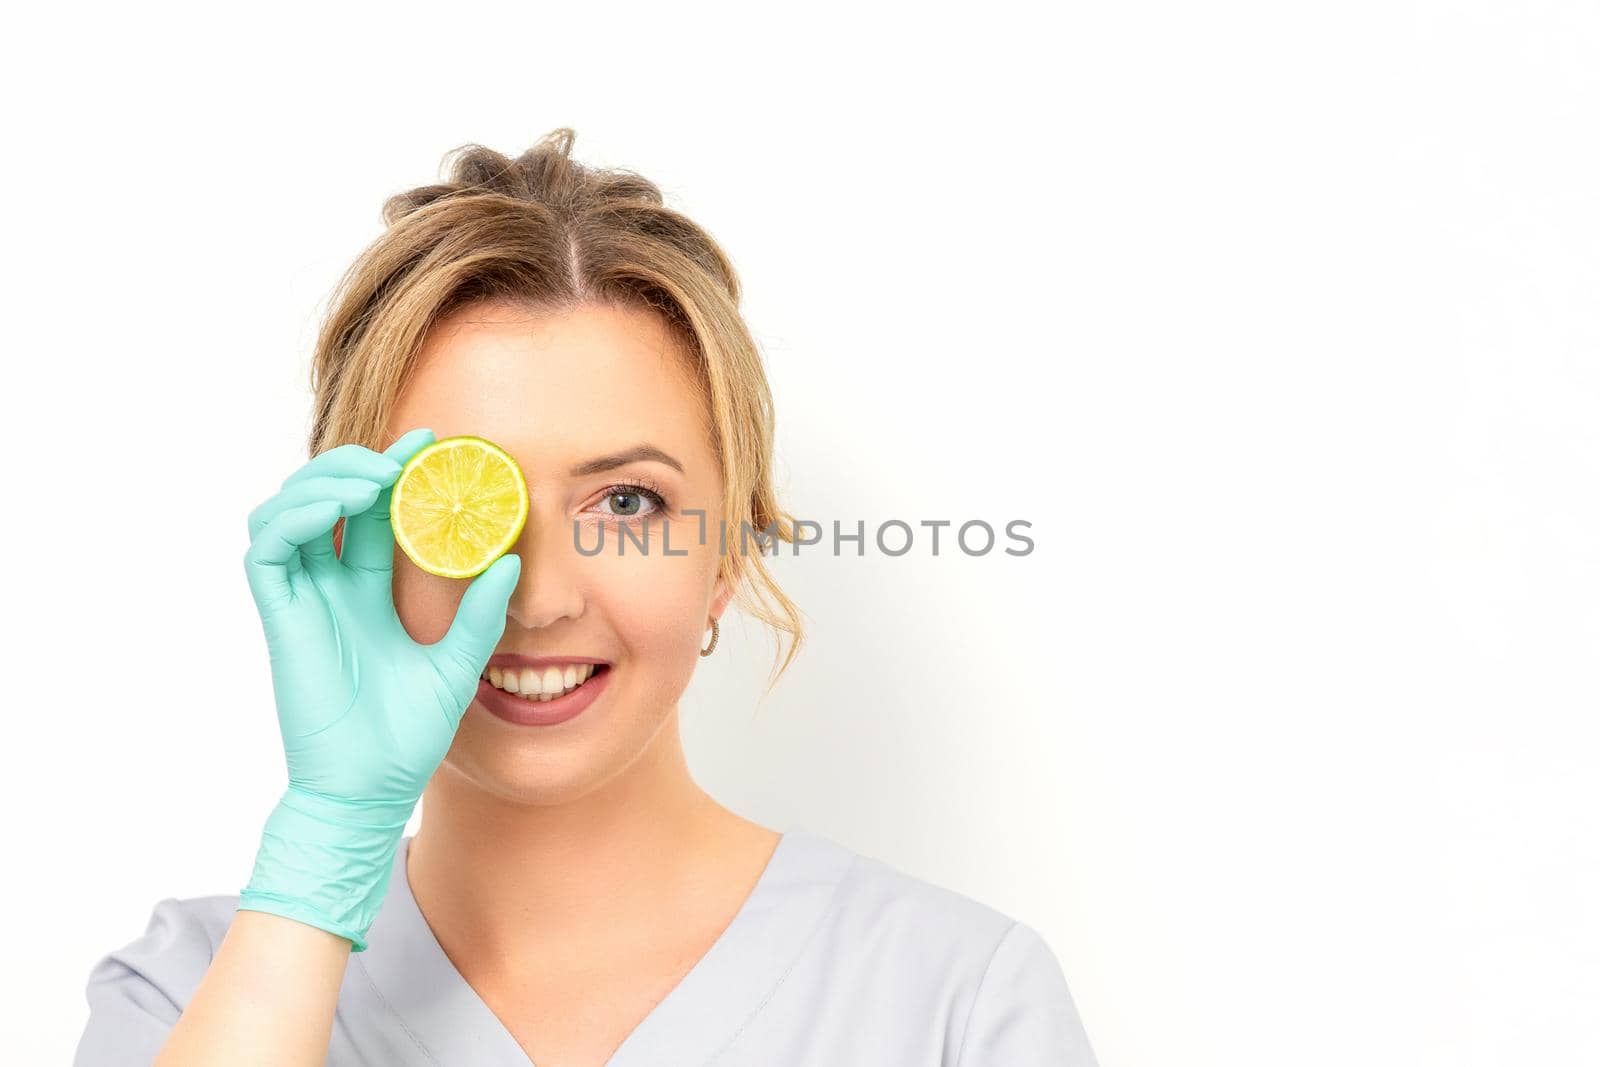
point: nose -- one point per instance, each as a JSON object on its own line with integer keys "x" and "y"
{"x": 550, "y": 586}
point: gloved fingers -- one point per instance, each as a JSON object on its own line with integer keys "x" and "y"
{"x": 354, "y": 495}
{"x": 480, "y": 621}
{"x": 347, "y": 461}
{"x": 274, "y": 554}
{"x": 368, "y": 544}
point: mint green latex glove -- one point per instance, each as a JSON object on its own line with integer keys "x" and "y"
{"x": 366, "y": 713}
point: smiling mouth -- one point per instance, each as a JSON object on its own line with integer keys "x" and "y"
{"x": 542, "y": 686}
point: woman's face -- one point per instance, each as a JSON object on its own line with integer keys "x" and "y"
{"x": 558, "y": 390}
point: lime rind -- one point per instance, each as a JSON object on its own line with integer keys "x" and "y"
{"x": 458, "y": 505}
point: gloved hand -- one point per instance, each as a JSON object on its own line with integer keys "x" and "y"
{"x": 366, "y": 713}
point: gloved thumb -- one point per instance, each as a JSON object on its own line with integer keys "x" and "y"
{"x": 480, "y": 621}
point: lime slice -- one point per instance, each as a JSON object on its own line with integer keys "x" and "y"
{"x": 458, "y": 505}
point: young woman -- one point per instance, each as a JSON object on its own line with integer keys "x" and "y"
{"x": 572, "y": 897}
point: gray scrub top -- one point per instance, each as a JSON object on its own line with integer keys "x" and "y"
{"x": 834, "y": 958}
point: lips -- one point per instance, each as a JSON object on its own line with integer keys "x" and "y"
{"x": 517, "y": 660}
{"x": 523, "y": 711}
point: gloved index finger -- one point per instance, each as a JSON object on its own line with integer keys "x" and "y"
{"x": 348, "y": 461}
{"x": 368, "y": 544}
{"x": 409, "y": 444}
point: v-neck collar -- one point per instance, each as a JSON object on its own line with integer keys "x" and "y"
{"x": 692, "y": 1024}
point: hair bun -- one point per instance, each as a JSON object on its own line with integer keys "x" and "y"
{"x": 545, "y": 174}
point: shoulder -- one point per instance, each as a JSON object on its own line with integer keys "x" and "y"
{"x": 136, "y": 992}
{"x": 180, "y": 938}
{"x": 1007, "y": 992}
{"x": 903, "y": 903}
{"x": 914, "y": 914}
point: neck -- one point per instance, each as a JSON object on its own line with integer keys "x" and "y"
{"x": 501, "y": 880}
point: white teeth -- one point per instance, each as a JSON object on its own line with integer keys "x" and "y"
{"x": 540, "y": 685}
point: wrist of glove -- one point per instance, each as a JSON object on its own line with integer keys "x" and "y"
{"x": 326, "y": 862}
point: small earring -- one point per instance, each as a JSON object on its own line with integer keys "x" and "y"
{"x": 716, "y": 632}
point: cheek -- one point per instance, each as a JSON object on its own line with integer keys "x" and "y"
{"x": 657, "y": 603}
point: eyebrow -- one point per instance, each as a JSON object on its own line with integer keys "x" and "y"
{"x": 620, "y": 459}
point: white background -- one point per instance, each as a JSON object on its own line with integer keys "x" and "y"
{"x": 1277, "y": 321}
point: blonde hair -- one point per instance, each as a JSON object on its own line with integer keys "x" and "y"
{"x": 546, "y": 232}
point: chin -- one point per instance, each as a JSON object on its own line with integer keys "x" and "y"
{"x": 532, "y": 765}
{"x": 522, "y": 779}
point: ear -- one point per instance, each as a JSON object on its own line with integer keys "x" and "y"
{"x": 721, "y": 593}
